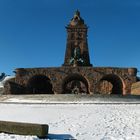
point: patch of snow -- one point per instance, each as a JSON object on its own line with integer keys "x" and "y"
{"x": 47, "y": 100}
{"x": 4, "y": 136}
{"x": 5, "y": 79}
{"x": 81, "y": 122}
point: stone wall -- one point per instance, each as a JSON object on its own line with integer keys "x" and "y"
{"x": 135, "y": 88}
{"x": 60, "y": 75}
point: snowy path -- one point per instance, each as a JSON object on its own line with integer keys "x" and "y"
{"x": 82, "y": 122}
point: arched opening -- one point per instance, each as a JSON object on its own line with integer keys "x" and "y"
{"x": 40, "y": 84}
{"x": 75, "y": 84}
{"x": 110, "y": 84}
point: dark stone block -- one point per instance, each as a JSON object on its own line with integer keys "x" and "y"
{"x": 40, "y": 130}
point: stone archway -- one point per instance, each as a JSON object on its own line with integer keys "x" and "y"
{"x": 75, "y": 84}
{"x": 40, "y": 84}
{"x": 110, "y": 84}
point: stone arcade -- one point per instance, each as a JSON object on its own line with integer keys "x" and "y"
{"x": 77, "y": 75}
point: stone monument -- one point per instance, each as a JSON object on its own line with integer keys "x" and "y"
{"x": 76, "y": 75}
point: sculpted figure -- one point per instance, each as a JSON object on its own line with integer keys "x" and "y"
{"x": 76, "y": 56}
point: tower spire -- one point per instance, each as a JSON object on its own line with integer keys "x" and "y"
{"x": 76, "y": 20}
{"x": 77, "y": 12}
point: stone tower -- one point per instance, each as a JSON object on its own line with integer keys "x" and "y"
{"x": 77, "y": 53}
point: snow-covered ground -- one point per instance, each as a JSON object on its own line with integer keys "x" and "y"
{"x": 77, "y": 121}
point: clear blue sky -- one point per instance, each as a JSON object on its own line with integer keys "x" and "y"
{"x": 32, "y": 32}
